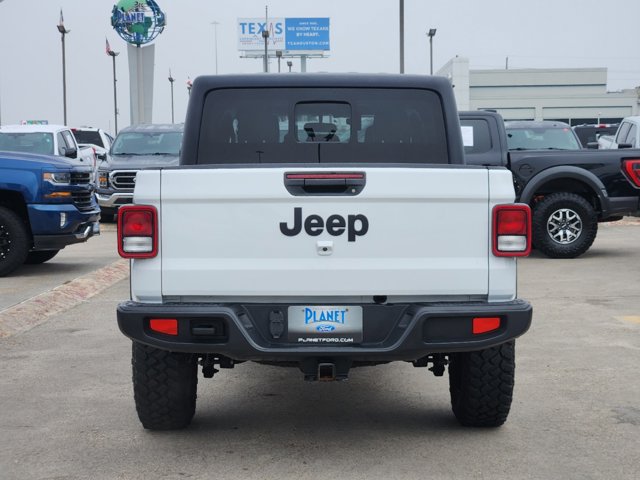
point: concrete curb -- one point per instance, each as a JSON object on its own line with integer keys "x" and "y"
{"x": 37, "y": 310}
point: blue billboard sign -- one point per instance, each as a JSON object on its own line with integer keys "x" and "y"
{"x": 307, "y": 34}
{"x": 286, "y": 34}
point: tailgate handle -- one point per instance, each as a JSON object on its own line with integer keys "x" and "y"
{"x": 326, "y": 183}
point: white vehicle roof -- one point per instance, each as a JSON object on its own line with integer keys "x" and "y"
{"x": 32, "y": 128}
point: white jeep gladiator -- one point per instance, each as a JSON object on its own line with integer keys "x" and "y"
{"x": 324, "y": 222}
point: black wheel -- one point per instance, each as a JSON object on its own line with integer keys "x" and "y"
{"x": 481, "y": 385}
{"x": 41, "y": 256}
{"x": 14, "y": 241}
{"x": 564, "y": 225}
{"x": 164, "y": 387}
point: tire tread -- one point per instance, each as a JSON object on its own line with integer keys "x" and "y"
{"x": 165, "y": 387}
{"x": 481, "y": 385}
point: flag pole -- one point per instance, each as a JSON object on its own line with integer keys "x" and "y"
{"x": 113, "y": 56}
{"x": 63, "y": 32}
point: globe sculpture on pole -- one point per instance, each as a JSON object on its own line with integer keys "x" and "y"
{"x": 138, "y": 22}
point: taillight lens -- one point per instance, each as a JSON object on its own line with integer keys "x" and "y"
{"x": 632, "y": 169}
{"x": 137, "y": 231}
{"x": 512, "y": 230}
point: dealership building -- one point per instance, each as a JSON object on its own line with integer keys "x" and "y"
{"x": 572, "y": 95}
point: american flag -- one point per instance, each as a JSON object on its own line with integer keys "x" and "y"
{"x": 61, "y": 23}
{"x": 108, "y": 47}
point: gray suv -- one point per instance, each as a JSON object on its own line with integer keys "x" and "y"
{"x": 135, "y": 148}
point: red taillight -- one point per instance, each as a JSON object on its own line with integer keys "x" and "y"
{"x": 632, "y": 169}
{"x": 325, "y": 176}
{"x": 138, "y": 231}
{"x": 512, "y": 230}
{"x": 168, "y": 326}
{"x": 485, "y": 324}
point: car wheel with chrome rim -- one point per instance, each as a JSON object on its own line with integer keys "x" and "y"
{"x": 564, "y": 225}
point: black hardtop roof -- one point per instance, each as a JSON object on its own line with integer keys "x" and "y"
{"x": 316, "y": 80}
{"x": 480, "y": 114}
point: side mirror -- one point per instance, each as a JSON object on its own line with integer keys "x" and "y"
{"x": 70, "y": 152}
{"x": 624, "y": 145}
{"x": 593, "y": 145}
{"x": 102, "y": 156}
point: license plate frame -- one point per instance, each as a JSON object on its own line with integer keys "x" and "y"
{"x": 319, "y": 325}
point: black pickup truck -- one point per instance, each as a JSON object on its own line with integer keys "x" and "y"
{"x": 568, "y": 191}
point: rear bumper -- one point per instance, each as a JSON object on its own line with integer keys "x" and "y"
{"x": 390, "y": 332}
{"x": 622, "y": 206}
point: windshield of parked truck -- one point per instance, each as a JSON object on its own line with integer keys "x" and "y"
{"x": 322, "y": 125}
{"x": 35, "y": 142}
{"x": 147, "y": 143}
{"x": 542, "y": 138}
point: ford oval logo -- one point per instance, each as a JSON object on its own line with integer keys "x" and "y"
{"x": 325, "y": 328}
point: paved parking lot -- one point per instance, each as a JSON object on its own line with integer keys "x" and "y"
{"x": 68, "y": 412}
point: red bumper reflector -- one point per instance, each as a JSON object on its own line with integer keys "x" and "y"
{"x": 168, "y": 326}
{"x": 485, "y": 324}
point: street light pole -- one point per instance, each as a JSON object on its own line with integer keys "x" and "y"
{"x": 215, "y": 41}
{"x": 63, "y": 32}
{"x": 171, "y": 80}
{"x": 113, "y": 56}
{"x": 431, "y": 33}
{"x": 401, "y": 36}
{"x": 265, "y": 35}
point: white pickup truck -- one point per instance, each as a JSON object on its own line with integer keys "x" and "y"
{"x": 627, "y": 135}
{"x": 324, "y": 222}
{"x": 46, "y": 139}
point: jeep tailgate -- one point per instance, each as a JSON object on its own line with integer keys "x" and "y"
{"x": 221, "y": 236}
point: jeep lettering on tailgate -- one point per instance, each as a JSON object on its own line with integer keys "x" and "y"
{"x": 314, "y": 225}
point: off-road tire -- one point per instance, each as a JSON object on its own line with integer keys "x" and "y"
{"x": 164, "y": 387}
{"x": 14, "y": 241}
{"x": 481, "y": 385}
{"x": 551, "y": 204}
{"x": 40, "y": 256}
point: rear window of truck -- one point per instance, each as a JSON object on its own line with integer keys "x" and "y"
{"x": 322, "y": 125}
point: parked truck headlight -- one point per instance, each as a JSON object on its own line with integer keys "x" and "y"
{"x": 57, "y": 177}
{"x": 103, "y": 179}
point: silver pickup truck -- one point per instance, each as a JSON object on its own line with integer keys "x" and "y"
{"x": 134, "y": 148}
{"x": 323, "y": 222}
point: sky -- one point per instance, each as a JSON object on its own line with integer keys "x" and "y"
{"x": 364, "y": 38}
